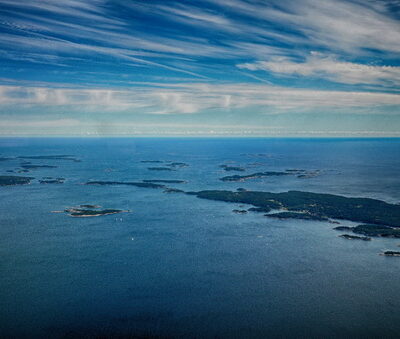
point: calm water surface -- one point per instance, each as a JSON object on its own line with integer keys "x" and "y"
{"x": 179, "y": 266}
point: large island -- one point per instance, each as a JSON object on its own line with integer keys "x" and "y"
{"x": 365, "y": 210}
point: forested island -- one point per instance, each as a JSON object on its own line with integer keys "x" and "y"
{"x": 372, "y": 230}
{"x": 299, "y": 173}
{"x": 365, "y": 210}
{"x": 90, "y": 211}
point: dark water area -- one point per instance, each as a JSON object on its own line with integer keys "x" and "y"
{"x": 179, "y": 266}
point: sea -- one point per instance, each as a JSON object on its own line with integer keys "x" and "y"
{"x": 176, "y": 266}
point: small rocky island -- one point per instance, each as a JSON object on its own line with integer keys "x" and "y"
{"x": 51, "y": 180}
{"x": 11, "y": 180}
{"x": 295, "y": 215}
{"x": 237, "y": 211}
{"x": 126, "y": 183}
{"x": 232, "y": 168}
{"x": 172, "y": 190}
{"x": 354, "y": 237}
{"x": 165, "y": 181}
{"x": 160, "y": 169}
{"x": 83, "y": 211}
{"x": 391, "y": 253}
{"x": 177, "y": 164}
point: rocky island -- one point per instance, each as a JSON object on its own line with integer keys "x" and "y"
{"x": 127, "y": 183}
{"x": 377, "y": 231}
{"x": 50, "y": 180}
{"x": 11, "y": 180}
{"x": 391, "y": 253}
{"x": 90, "y": 211}
{"x": 165, "y": 181}
{"x": 296, "y": 215}
{"x": 172, "y": 190}
{"x": 239, "y": 211}
{"x": 160, "y": 169}
{"x": 372, "y": 230}
{"x": 354, "y": 237}
{"x": 253, "y": 176}
{"x": 299, "y": 173}
{"x": 177, "y": 164}
{"x": 232, "y": 168}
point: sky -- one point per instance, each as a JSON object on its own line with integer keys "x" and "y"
{"x": 323, "y": 68}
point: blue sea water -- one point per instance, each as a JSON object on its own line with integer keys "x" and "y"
{"x": 179, "y": 266}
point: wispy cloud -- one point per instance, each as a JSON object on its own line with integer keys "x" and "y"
{"x": 320, "y": 66}
{"x": 185, "y": 59}
{"x": 193, "y": 98}
{"x": 350, "y": 26}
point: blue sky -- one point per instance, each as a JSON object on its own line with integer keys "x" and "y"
{"x": 209, "y": 67}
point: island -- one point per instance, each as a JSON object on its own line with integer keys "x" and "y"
{"x": 299, "y": 173}
{"x": 377, "y": 231}
{"x": 11, "y": 180}
{"x": 165, "y": 181}
{"x": 160, "y": 169}
{"x": 364, "y": 210}
{"x": 391, "y": 253}
{"x": 309, "y": 174}
{"x": 172, "y": 190}
{"x": 232, "y": 168}
{"x": 90, "y": 211}
{"x": 372, "y": 230}
{"x": 354, "y": 237}
{"x": 239, "y": 211}
{"x": 296, "y": 215}
{"x": 50, "y": 180}
{"x": 177, "y": 164}
{"x": 253, "y": 176}
{"x": 137, "y": 184}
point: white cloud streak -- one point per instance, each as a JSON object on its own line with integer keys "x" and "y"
{"x": 192, "y": 98}
{"x": 337, "y": 24}
{"x": 320, "y": 66}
